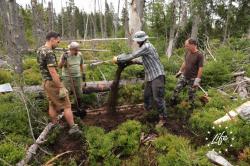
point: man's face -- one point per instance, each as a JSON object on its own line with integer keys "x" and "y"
{"x": 140, "y": 43}
{"x": 74, "y": 51}
{"x": 189, "y": 47}
{"x": 55, "y": 42}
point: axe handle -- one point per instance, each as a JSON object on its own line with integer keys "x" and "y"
{"x": 203, "y": 90}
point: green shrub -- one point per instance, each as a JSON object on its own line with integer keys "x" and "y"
{"x": 11, "y": 152}
{"x": 5, "y": 76}
{"x": 32, "y": 77}
{"x": 13, "y": 118}
{"x": 126, "y": 137}
{"x": 99, "y": 145}
{"x": 30, "y": 63}
{"x": 215, "y": 74}
{"x": 103, "y": 148}
{"x": 239, "y": 43}
{"x": 131, "y": 94}
{"x": 174, "y": 151}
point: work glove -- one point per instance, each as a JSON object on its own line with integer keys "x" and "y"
{"x": 196, "y": 82}
{"x": 63, "y": 92}
{"x": 114, "y": 60}
{"x": 177, "y": 75}
{"x": 83, "y": 77}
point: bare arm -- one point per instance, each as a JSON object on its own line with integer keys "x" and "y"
{"x": 55, "y": 76}
{"x": 123, "y": 58}
{"x": 182, "y": 67}
{"x": 82, "y": 67}
{"x": 200, "y": 72}
{"x": 61, "y": 62}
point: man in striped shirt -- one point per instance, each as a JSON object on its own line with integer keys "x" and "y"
{"x": 154, "y": 73}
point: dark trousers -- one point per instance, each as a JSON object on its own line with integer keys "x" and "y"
{"x": 154, "y": 92}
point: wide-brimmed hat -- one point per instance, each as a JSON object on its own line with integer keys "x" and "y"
{"x": 140, "y": 36}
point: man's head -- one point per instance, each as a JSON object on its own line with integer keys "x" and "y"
{"x": 191, "y": 45}
{"x": 140, "y": 37}
{"x": 53, "y": 39}
{"x": 74, "y": 48}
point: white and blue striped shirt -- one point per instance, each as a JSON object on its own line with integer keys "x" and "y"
{"x": 150, "y": 59}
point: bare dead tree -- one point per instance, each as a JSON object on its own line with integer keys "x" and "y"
{"x": 126, "y": 20}
{"x": 38, "y": 22}
{"x": 50, "y": 16}
{"x": 105, "y": 20}
{"x": 195, "y": 26}
{"x": 135, "y": 19}
{"x": 171, "y": 38}
{"x": 13, "y": 34}
{"x": 101, "y": 21}
{"x": 226, "y": 29}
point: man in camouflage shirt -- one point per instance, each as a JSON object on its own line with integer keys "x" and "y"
{"x": 53, "y": 87}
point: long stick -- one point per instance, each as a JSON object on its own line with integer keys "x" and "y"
{"x": 72, "y": 86}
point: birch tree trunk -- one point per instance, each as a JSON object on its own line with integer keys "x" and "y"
{"x": 100, "y": 14}
{"x": 38, "y": 23}
{"x": 126, "y": 20}
{"x": 135, "y": 20}
{"x": 226, "y": 29}
{"x": 13, "y": 34}
{"x": 105, "y": 20}
{"x": 169, "y": 50}
{"x": 94, "y": 19}
{"x": 50, "y": 16}
{"x": 195, "y": 26}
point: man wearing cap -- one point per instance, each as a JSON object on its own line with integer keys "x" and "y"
{"x": 154, "y": 73}
{"x": 72, "y": 66}
{"x": 190, "y": 72}
{"x": 53, "y": 87}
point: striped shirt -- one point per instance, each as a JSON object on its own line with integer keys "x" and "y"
{"x": 150, "y": 59}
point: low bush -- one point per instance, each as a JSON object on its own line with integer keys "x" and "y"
{"x": 106, "y": 148}
{"x": 5, "y": 76}
{"x": 174, "y": 150}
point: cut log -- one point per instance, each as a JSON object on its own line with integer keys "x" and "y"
{"x": 216, "y": 158}
{"x": 239, "y": 73}
{"x": 234, "y": 113}
{"x": 88, "y": 87}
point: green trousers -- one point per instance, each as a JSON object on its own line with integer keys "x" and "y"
{"x": 76, "y": 83}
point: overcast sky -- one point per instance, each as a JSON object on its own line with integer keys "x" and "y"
{"x": 86, "y": 5}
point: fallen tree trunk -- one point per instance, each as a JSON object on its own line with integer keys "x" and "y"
{"x": 233, "y": 113}
{"x": 33, "y": 148}
{"x": 88, "y": 87}
{"x": 242, "y": 86}
{"x": 121, "y": 108}
{"x": 65, "y": 49}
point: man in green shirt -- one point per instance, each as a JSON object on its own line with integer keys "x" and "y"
{"x": 73, "y": 69}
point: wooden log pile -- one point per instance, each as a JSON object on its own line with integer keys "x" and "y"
{"x": 240, "y": 86}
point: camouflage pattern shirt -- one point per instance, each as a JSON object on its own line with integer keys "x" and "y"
{"x": 46, "y": 58}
